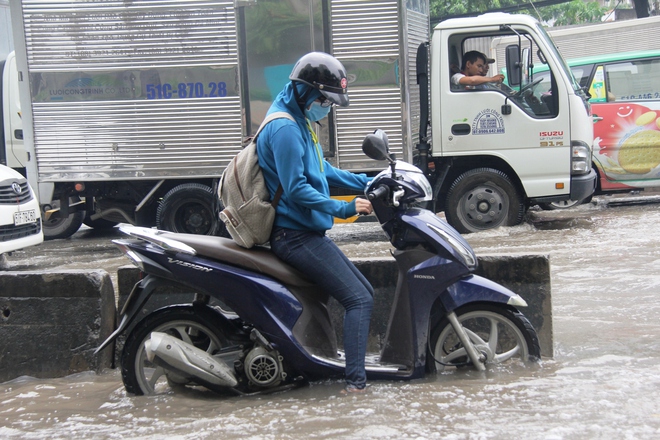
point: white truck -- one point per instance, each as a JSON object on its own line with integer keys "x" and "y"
{"x": 131, "y": 110}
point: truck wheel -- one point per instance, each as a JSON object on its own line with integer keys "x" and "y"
{"x": 63, "y": 227}
{"x": 188, "y": 208}
{"x": 483, "y": 198}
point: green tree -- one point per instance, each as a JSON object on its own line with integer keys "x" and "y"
{"x": 573, "y": 12}
{"x": 447, "y": 8}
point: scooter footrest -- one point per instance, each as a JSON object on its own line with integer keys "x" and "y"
{"x": 369, "y": 366}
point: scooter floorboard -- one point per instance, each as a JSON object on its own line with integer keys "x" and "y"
{"x": 371, "y": 364}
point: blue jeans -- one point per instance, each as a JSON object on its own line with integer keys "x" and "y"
{"x": 319, "y": 258}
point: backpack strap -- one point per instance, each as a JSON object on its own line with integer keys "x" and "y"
{"x": 278, "y": 194}
{"x": 272, "y": 117}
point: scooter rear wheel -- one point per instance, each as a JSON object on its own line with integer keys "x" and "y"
{"x": 500, "y": 333}
{"x": 193, "y": 326}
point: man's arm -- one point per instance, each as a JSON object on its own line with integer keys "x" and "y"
{"x": 478, "y": 80}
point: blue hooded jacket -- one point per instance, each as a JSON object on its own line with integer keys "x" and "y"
{"x": 288, "y": 155}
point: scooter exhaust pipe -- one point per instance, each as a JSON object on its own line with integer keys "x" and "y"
{"x": 188, "y": 360}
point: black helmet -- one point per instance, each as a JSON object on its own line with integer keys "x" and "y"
{"x": 325, "y": 73}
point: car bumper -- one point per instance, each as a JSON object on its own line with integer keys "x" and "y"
{"x": 22, "y": 242}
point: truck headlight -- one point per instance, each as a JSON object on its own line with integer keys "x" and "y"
{"x": 580, "y": 157}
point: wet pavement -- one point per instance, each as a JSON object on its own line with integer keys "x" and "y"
{"x": 603, "y": 382}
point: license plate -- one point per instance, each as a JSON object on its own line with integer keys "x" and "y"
{"x": 25, "y": 217}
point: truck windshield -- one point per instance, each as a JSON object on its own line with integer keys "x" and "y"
{"x": 550, "y": 44}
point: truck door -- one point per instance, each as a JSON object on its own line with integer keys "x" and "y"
{"x": 521, "y": 130}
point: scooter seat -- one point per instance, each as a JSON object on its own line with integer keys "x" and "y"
{"x": 258, "y": 259}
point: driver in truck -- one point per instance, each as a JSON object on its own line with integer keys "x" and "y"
{"x": 470, "y": 76}
{"x": 489, "y": 61}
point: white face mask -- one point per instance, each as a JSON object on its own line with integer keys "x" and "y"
{"x": 316, "y": 112}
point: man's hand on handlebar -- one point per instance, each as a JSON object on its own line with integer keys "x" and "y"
{"x": 363, "y": 206}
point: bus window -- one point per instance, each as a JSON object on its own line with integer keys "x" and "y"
{"x": 637, "y": 80}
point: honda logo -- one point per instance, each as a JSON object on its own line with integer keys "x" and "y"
{"x": 17, "y": 188}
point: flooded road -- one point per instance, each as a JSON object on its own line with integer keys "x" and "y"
{"x": 603, "y": 382}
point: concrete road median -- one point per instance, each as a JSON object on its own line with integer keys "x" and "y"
{"x": 53, "y": 321}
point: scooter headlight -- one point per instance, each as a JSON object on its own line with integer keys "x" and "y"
{"x": 469, "y": 258}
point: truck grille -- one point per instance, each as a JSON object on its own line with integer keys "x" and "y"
{"x": 11, "y": 232}
{"x": 9, "y": 197}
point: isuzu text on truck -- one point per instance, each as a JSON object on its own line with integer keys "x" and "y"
{"x": 131, "y": 110}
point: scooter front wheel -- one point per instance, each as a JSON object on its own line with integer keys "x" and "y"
{"x": 499, "y": 334}
{"x": 193, "y": 326}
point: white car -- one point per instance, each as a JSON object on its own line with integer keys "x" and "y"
{"x": 20, "y": 216}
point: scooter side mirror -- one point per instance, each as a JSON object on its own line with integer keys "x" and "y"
{"x": 376, "y": 146}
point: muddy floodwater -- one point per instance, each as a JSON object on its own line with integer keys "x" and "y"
{"x": 603, "y": 382}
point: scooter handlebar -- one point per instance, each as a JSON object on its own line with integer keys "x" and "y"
{"x": 378, "y": 193}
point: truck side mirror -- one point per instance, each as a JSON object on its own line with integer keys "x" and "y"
{"x": 513, "y": 67}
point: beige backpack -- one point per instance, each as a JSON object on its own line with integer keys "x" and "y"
{"x": 249, "y": 213}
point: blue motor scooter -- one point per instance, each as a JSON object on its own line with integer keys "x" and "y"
{"x": 258, "y": 325}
